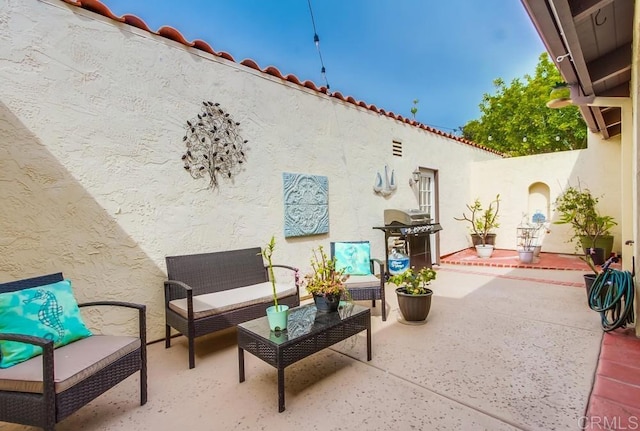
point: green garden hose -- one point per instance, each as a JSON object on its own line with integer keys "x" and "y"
{"x": 612, "y": 296}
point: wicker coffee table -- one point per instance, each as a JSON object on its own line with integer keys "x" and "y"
{"x": 308, "y": 332}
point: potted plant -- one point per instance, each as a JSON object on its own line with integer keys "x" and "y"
{"x": 526, "y": 238}
{"x": 325, "y": 283}
{"x": 560, "y": 95}
{"x": 482, "y": 222}
{"x": 591, "y": 229}
{"x": 276, "y": 314}
{"x": 528, "y": 234}
{"x": 414, "y": 297}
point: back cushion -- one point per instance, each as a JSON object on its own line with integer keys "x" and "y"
{"x": 353, "y": 257}
{"x": 49, "y": 311}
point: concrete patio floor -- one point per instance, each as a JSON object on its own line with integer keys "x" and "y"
{"x": 502, "y": 349}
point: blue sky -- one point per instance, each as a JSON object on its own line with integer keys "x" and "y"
{"x": 446, "y": 53}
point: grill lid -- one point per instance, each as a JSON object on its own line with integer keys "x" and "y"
{"x": 408, "y": 217}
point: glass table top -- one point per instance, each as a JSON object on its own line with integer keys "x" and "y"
{"x": 303, "y": 320}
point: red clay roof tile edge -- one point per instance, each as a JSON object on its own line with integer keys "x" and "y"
{"x": 97, "y": 7}
{"x": 173, "y": 34}
{"x": 134, "y": 21}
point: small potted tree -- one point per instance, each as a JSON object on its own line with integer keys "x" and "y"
{"x": 414, "y": 297}
{"x": 591, "y": 229}
{"x": 482, "y": 222}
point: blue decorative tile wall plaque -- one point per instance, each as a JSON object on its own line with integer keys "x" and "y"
{"x": 306, "y": 204}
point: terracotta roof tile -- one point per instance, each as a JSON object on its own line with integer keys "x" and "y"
{"x": 173, "y": 34}
{"x": 203, "y": 46}
{"x": 292, "y": 78}
{"x": 136, "y": 22}
{"x": 250, "y": 63}
{"x": 226, "y": 56}
{"x": 272, "y": 70}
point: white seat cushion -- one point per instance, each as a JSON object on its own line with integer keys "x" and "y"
{"x": 232, "y": 299}
{"x": 359, "y": 281}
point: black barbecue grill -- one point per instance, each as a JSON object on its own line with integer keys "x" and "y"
{"x": 413, "y": 227}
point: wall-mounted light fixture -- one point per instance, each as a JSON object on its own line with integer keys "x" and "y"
{"x": 415, "y": 177}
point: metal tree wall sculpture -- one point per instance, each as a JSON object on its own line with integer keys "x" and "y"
{"x": 214, "y": 146}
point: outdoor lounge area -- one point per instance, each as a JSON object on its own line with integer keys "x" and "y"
{"x": 502, "y": 349}
{"x": 125, "y": 146}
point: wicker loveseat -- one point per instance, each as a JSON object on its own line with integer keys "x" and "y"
{"x": 209, "y": 292}
{"x": 47, "y": 388}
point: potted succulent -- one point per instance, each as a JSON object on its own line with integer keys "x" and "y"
{"x": 482, "y": 222}
{"x": 325, "y": 283}
{"x": 276, "y": 314}
{"x": 591, "y": 229}
{"x": 414, "y": 297}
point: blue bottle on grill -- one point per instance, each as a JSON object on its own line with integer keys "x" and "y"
{"x": 398, "y": 262}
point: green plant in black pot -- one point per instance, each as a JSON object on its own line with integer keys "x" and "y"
{"x": 414, "y": 295}
{"x": 591, "y": 229}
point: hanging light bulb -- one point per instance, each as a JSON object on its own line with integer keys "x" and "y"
{"x": 524, "y": 139}
{"x": 316, "y": 39}
{"x": 557, "y": 138}
{"x": 490, "y": 138}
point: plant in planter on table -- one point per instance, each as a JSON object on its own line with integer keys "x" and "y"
{"x": 325, "y": 283}
{"x": 276, "y": 314}
{"x": 414, "y": 297}
{"x": 482, "y": 222}
{"x": 591, "y": 229}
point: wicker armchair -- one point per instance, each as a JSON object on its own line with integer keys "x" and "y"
{"x": 43, "y": 398}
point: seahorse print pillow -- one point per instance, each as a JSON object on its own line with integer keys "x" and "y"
{"x": 49, "y": 311}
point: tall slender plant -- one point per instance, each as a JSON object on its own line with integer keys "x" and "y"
{"x": 267, "y": 253}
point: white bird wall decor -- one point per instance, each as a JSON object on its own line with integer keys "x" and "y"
{"x": 385, "y": 186}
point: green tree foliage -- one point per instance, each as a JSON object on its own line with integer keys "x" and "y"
{"x": 516, "y": 121}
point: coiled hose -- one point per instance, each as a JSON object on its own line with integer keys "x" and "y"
{"x": 612, "y": 296}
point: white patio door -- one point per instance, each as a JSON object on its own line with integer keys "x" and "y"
{"x": 427, "y": 203}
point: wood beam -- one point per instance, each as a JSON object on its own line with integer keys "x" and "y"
{"x": 611, "y": 64}
{"x": 582, "y": 9}
{"x": 612, "y": 116}
{"x": 621, "y": 90}
{"x": 566, "y": 25}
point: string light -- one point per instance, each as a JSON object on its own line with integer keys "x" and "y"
{"x": 316, "y": 41}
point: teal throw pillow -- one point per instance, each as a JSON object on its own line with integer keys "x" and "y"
{"x": 49, "y": 311}
{"x": 353, "y": 257}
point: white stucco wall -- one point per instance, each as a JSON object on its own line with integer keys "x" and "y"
{"x": 596, "y": 168}
{"x": 91, "y": 123}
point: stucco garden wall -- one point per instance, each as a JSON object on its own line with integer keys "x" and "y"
{"x": 597, "y": 168}
{"x": 92, "y": 115}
